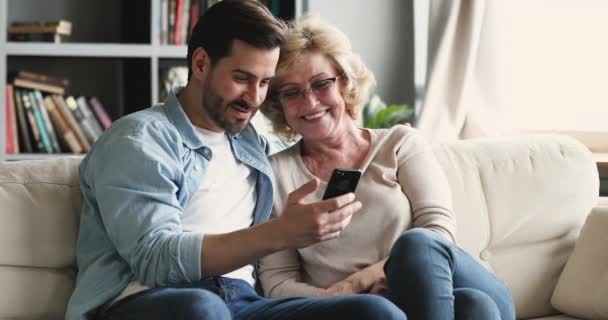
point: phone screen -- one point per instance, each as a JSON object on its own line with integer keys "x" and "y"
{"x": 342, "y": 181}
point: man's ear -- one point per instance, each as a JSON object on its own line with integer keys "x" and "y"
{"x": 200, "y": 63}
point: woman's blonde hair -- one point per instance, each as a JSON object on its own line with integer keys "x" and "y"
{"x": 310, "y": 33}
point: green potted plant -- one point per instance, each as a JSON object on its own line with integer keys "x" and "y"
{"x": 377, "y": 114}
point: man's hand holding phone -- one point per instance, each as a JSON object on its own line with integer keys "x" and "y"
{"x": 304, "y": 224}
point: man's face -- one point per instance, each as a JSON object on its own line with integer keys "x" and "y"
{"x": 236, "y": 86}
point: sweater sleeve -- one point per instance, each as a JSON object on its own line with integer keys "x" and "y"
{"x": 426, "y": 186}
{"x": 281, "y": 277}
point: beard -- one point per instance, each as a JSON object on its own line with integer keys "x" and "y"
{"x": 215, "y": 107}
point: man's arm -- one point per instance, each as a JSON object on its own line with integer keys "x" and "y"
{"x": 299, "y": 226}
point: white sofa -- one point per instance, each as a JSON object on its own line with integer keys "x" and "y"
{"x": 520, "y": 204}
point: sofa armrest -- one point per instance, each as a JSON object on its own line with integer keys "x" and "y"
{"x": 583, "y": 285}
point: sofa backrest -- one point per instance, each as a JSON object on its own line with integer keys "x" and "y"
{"x": 520, "y": 203}
{"x": 39, "y": 210}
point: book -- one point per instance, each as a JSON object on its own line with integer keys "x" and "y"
{"x": 12, "y": 145}
{"x": 62, "y": 27}
{"x": 178, "y": 21}
{"x": 46, "y": 141}
{"x": 42, "y": 78}
{"x": 85, "y": 125}
{"x": 88, "y": 114}
{"x": 164, "y": 22}
{"x": 36, "y": 37}
{"x": 35, "y": 85}
{"x": 185, "y": 22}
{"x": 195, "y": 11}
{"x": 71, "y": 122}
{"x": 50, "y": 129}
{"x": 25, "y": 139}
{"x": 171, "y": 30}
{"x": 67, "y": 136}
{"x": 37, "y": 144}
{"x": 100, "y": 113}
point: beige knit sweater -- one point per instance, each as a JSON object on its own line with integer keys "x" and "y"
{"x": 402, "y": 187}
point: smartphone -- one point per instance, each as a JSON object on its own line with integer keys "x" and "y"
{"x": 342, "y": 181}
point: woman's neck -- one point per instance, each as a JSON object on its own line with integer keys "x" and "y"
{"x": 347, "y": 150}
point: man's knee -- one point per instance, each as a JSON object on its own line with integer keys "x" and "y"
{"x": 199, "y": 304}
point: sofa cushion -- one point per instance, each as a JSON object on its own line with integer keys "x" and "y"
{"x": 40, "y": 208}
{"x": 35, "y": 293}
{"x": 519, "y": 204}
{"x": 40, "y": 203}
{"x": 582, "y": 289}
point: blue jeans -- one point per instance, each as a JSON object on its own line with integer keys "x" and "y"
{"x": 224, "y": 298}
{"x": 430, "y": 278}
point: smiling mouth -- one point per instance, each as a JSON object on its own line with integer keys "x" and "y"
{"x": 242, "y": 109}
{"x": 315, "y": 115}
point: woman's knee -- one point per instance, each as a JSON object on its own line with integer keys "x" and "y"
{"x": 200, "y": 304}
{"x": 474, "y": 304}
{"x": 415, "y": 238}
{"x": 370, "y": 306}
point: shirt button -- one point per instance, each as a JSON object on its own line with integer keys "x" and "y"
{"x": 196, "y": 167}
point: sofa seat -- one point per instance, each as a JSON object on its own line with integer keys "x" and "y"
{"x": 520, "y": 203}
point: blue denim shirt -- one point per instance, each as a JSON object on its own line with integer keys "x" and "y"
{"x": 135, "y": 184}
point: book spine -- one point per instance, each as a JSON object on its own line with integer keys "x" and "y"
{"x": 183, "y": 34}
{"x": 63, "y": 130}
{"x": 88, "y": 131}
{"x": 100, "y": 113}
{"x": 195, "y": 10}
{"x": 50, "y": 129}
{"x": 178, "y": 21}
{"x": 88, "y": 114}
{"x": 9, "y": 148}
{"x": 46, "y": 142}
{"x": 29, "y": 109}
{"x": 42, "y": 78}
{"x": 164, "y": 21}
{"x": 171, "y": 21}
{"x": 25, "y": 140}
{"x": 34, "y": 85}
{"x": 71, "y": 121}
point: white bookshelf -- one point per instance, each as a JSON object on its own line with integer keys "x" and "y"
{"x": 90, "y": 52}
{"x": 95, "y": 49}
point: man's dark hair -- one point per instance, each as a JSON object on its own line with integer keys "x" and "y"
{"x": 246, "y": 20}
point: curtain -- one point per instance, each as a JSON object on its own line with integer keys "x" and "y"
{"x": 497, "y": 67}
{"x": 452, "y": 107}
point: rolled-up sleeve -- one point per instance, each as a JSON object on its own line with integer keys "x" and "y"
{"x": 135, "y": 188}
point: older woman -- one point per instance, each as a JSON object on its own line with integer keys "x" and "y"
{"x": 401, "y": 244}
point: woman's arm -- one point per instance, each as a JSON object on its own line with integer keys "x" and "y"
{"x": 280, "y": 276}
{"x": 426, "y": 186}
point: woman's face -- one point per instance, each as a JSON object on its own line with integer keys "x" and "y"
{"x": 310, "y": 93}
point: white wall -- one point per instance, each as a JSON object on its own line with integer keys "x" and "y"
{"x": 381, "y": 31}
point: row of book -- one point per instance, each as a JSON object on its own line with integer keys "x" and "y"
{"x": 46, "y": 31}
{"x": 38, "y": 122}
{"x": 178, "y": 18}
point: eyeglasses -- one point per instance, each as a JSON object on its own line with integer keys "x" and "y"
{"x": 317, "y": 88}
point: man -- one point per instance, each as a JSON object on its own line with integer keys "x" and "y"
{"x": 176, "y": 198}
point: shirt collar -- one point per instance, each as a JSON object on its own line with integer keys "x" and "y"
{"x": 178, "y": 117}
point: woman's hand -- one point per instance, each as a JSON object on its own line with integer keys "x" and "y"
{"x": 369, "y": 280}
